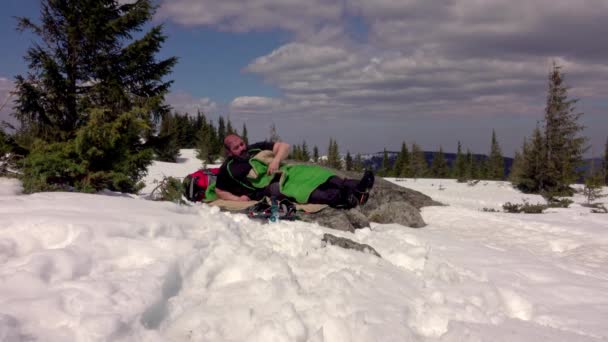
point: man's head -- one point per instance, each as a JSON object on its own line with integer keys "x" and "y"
{"x": 235, "y": 146}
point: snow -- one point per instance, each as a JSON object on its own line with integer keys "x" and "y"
{"x": 114, "y": 267}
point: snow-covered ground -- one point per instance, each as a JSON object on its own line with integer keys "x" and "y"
{"x": 112, "y": 267}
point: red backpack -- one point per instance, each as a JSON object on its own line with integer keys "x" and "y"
{"x": 196, "y": 183}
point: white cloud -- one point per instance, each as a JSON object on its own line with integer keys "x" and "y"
{"x": 457, "y": 57}
{"x": 185, "y": 103}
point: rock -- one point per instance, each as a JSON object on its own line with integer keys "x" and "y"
{"x": 332, "y": 218}
{"x": 349, "y": 244}
{"x": 399, "y": 212}
{"x": 388, "y": 203}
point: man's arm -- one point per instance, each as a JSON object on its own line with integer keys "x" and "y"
{"x": 280, "y": 151}
{"x": 225, "y": 195}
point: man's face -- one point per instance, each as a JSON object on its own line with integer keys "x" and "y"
{"x": 238, "y": 147}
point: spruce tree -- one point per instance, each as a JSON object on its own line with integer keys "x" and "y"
{"x": 358, "y": 163}
{"x": 533, "y": 174}
{"x": 385, "y": 166}
{"x": 229, "y": 128}
{"x": 274, "y": 136}
{"x": 333, "y": 155}
{"x": 495, "y": 162}
{"x": 349, "y": 161}
{"x": 564, "y": 147}
{"x": 244, "y": 134}
{"x": 418, "y": 164}
{"x": 439, "y": 166}
{"x": 517, "y": 167}
{"x": 165, "y": 143}
{"x": 606, "y": 163}
{"x": 460, "y": 164}
{"x": 205, "y": 144}
{"x": 92, "y": 95}
{"x": 469, "y": 172}
{"x": 315, "y": 154}
{"x": 221, "y": 130}
{"x": 305, "y": 152}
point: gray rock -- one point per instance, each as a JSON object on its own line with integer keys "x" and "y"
{"x": 388, "y": 203}
{"x": 349, "y": 244}
{"x": 399, "y": 212}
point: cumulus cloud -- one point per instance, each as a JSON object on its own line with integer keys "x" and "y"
{"x": 458, "y": 57}
{"x": 184, "y": 102}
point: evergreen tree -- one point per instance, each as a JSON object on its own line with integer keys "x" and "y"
{"x": 165, "y": 143}
{"x": 315, "y": 154}
{"x": 517, "y": 168}
{"x": 333, "y": 155}
{"x": 533, "y": 164}
{"x": 469, "y": 172}
{"x": 606, "y": 163}
{"x": 496, "y": 162}
{"x": 274, "y": 136}
{"x": 460, "y": 165}
{"x": 358, "y": 163}
{"x": 92, "y": 95}
{"x": 296, "y": 152}
{"x": 221, "y": 130}
{"x": 439, "y": 166}
{"x": 229, "y": 128}
{"x": 398, "y": 165}
{"x": 349, "y": 161}
{"x": 593, "y": 184}
{"x": 418, "y": 164}
{"x": 244, "y": 134}
{"x": 385, "y": 166}
{"x": 205, "y": 149}
{"x": 305, "y": 152}
{"x": 564, "y": 148}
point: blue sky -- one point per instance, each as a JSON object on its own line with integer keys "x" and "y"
{"x": 373, "y": 74}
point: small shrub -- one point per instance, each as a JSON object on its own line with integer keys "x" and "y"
{"x": 473, "y": 182}
{"x": 526, "y": 208}
{"x": 554, "y": 202}
{"x": 490, "y": 210}
{"x": 596, "y": 208}
{"x": 169, "y": 189}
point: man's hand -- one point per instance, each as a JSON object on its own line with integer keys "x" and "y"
{"x": 273, "y": 166}
{"x": 244, "y": 198}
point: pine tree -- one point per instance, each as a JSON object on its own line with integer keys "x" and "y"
{"x": 358, "y": 163}
{"x": 439, "y": 166}
{"x": 418, "y": 165}
{"x": 315, "y": 154}
{"x": 205, "y": 144}
{"x": 165, "y": 143}
{"x": 517, "y": 167}
{"x": 606, "y": 163}
{"x": 333, "y": 155}
{"x": 496, "y": 162}
{"x": 470, "y": 171}
{"x": 244, "y": 134}
{"x": 533, "y": 173}
{"x": 274, "y": 136}
{"x": 221, "y": 130}
{"x": 593, "y": 184}
{"x": 460, "y": 164}
{"x": 229, "y": 128}
{"x": 305, "y": 152}
{"x": 92, "y": 95}
{"x": 385, "y": 166}
{"x": 564, "y": 147}
{"x": 349, "y": 161}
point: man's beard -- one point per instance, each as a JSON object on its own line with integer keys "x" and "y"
{"x": 244, "y": 155}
